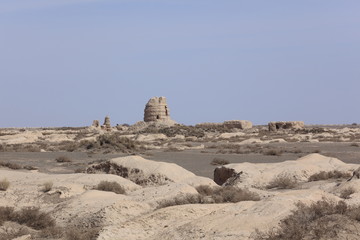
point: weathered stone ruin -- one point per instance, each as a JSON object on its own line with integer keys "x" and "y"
{"x": 222, "y": 174}
{"x": 96, "y": 124}
{"x": 106, "y": 125}
{"x": 241, "y": 124}
{"x": 274, "y": 126}
{"x": 209, "y": 125}
{"x": 156, "y": 110}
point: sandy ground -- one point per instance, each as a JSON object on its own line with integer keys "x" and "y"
{"x": 169, "y": 169}
{"x": 193, "y": 160}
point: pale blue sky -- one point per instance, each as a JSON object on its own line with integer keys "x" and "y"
{"x": 68, "y": 62}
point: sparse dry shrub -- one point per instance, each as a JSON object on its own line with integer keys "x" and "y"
{"x": 63, "y": 159}
{"x": 74, "y": 233}
{"x": 233, "y": 194}
{"x": 5, "y": 213}
{"x": 207, "y": 194}
{"x": 205, "y": 190}
{"x": 335, "y": 174}
{"x": 110, "y": 187}
{"x": 4, "y": 184}
{"x": 172, "y": 149}
{"x": 354, "y": 145}
{"x": 316, "y": 151}
{"x": 346, "y": 192}
{"x": 112, "y": 142}
{"x": 28, "y": 167}
{"x": 273, "y": 152}
{"x": 181, "y": 200}
{"x": 33, "y": 217}
{"x": 80, "y": 170}
{"x": 14, "y": 233}
{"x": 13, "y": 166}
{"x": 187, "y": 131}
{"x": 69, "y": 146}
{"x": 319, "y": 220}
{"x": 282, "y": 181}
{"x": 53, "y": 232}
{"x": 47, "y": 186}
{"x": 219, "y": 162}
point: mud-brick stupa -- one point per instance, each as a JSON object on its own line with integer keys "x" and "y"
{"x": 156, "y": 110}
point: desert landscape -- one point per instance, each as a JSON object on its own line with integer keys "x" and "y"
{"x": 157, "y": 179}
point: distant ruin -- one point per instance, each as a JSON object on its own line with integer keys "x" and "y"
{"x": 156, "y": 110}
{"x": 96, "y": 124}
{"x": 106, "y": 126}
{"x": 274, "y": 126}
{"x": 239, "y": 124}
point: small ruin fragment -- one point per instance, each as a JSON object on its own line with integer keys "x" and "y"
{"x": 241, "y": 124}
{"x": 274, "y": 126}
{"x": 96, "y": 124}
{"x": 106, "y": 125}
{"x": 156, "y": 110}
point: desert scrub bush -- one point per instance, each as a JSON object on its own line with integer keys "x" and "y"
{"x": 227, "y": 194}
{"x": 63, "y": 159}
{"x": 346, "y": 192}
{"x": 74, "y": 233}
{"x": 5, "y": 213}
{"x": 207, "y": 194}
{"x": 13, "y": 166}
{"x": 219, "y": 162}
{"x": 316, "y": 151}
{"x": 329, "y": 175}
{"x": 31, "y": 217}
{"x": 323, "y": 219}
{"x": 47, "y": 186}
{"x": 110, "y": 187}
{"x": 28, "y": 167}
{"x": 233, "y": 194}
{"x": 273, "y": 152}
{"x": 80, "y": 170}
{"x": 187, "y": 131}
{"x": 282, "y": 181}
{"x": 112, "y": 142}
{"x": 4, "y": 184}
{"x": 181, "y": 200}
{"x": 354, "y": 145}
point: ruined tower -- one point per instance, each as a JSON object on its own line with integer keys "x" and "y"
{"x": 156, "y": 110}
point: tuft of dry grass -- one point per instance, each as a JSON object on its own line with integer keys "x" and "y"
{"x": 4, "y": 184}
{"x": 346, "y": 193}
{"x": 207, "y": 194}
{"x": 329, "y": 175}
{"x": 110, "y": 187}
{"x": 13, "y": 166}
{"x": 45, "y": 225}
{"x": 219, "y": 162}
{"x": 47, "y": 186}
{"x": 354, "y": 145}
{"x": 82, "y": 234}
{"x": 32, "y": 217}
{"x": 63, "y": 159}
{"x": 80, "y": 170}
{"x": 282, "y": 181}
{"x": 273, "y": 152}
{"x": 323, "y": 219}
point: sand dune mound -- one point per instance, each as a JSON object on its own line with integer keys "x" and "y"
{"x": 146, "y": 172}
{"x": 259, "y": 175}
